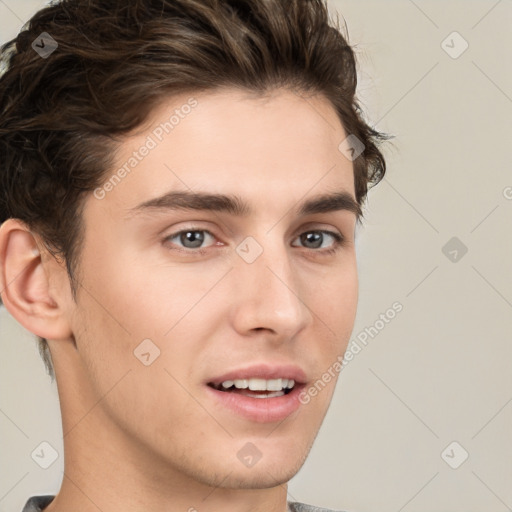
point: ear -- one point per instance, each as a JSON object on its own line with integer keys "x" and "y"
{"x": 25, "y": 283}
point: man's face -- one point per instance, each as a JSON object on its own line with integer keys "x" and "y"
{"x": 255, "y": 295}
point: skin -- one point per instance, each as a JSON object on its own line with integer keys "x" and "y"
{"x": 139, "y": 437}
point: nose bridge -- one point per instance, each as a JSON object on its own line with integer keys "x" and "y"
{"x": 268, "y": 288}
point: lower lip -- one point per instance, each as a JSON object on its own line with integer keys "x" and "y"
{"x": 259, "y": 410}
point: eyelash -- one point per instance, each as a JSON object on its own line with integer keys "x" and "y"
{"x": 339, "y": 241}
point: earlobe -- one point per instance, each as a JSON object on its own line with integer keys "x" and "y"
{"x": 25, "y": 285}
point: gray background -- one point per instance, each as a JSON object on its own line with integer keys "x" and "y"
{"x": 438, "y": 372}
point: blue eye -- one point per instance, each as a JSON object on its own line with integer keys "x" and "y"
{"x": 190, "y": 238}
{"x": 315, "y": 240}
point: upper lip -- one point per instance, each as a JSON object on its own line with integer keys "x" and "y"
{"x": 263, "y": 371}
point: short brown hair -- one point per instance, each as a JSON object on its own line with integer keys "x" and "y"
{"x": 61, "y": 116}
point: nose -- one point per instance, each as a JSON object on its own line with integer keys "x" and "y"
{"x": 267, "y": 295}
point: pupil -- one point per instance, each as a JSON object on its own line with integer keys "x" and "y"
{"x": 314, "y": 238}
{"x": 192, "y": 239}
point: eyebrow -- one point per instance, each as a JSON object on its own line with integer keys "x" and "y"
{"x": 234, "y": 205}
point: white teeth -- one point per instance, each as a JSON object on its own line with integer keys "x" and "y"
{"x": 241, "y": 384}
{"x": 271, "y": 394}
{"x": 255, "y": 384}
{"x": 275, "y": 384}
{"x": 258, "y": 385}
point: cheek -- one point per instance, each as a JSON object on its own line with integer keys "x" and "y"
{"x": 155, "y": 309}
{"x": 141, "y": 299}
{"x": 335, "y": 301}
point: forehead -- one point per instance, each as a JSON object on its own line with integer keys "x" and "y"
{"x": 229, "y": 141}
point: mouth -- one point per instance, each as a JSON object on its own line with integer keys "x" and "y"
{"x": 256, "y": 387}
{"x": 260, "y": 393}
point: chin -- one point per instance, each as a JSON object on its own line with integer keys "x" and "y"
{"x": 275, "y": 467}
{"x": 263, "y": 477}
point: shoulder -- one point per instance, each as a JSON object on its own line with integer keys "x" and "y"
{"x": 302, "y": 507}
{"x": 37, "y": 503}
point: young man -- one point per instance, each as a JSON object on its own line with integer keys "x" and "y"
{"x": 180, "y": 187}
